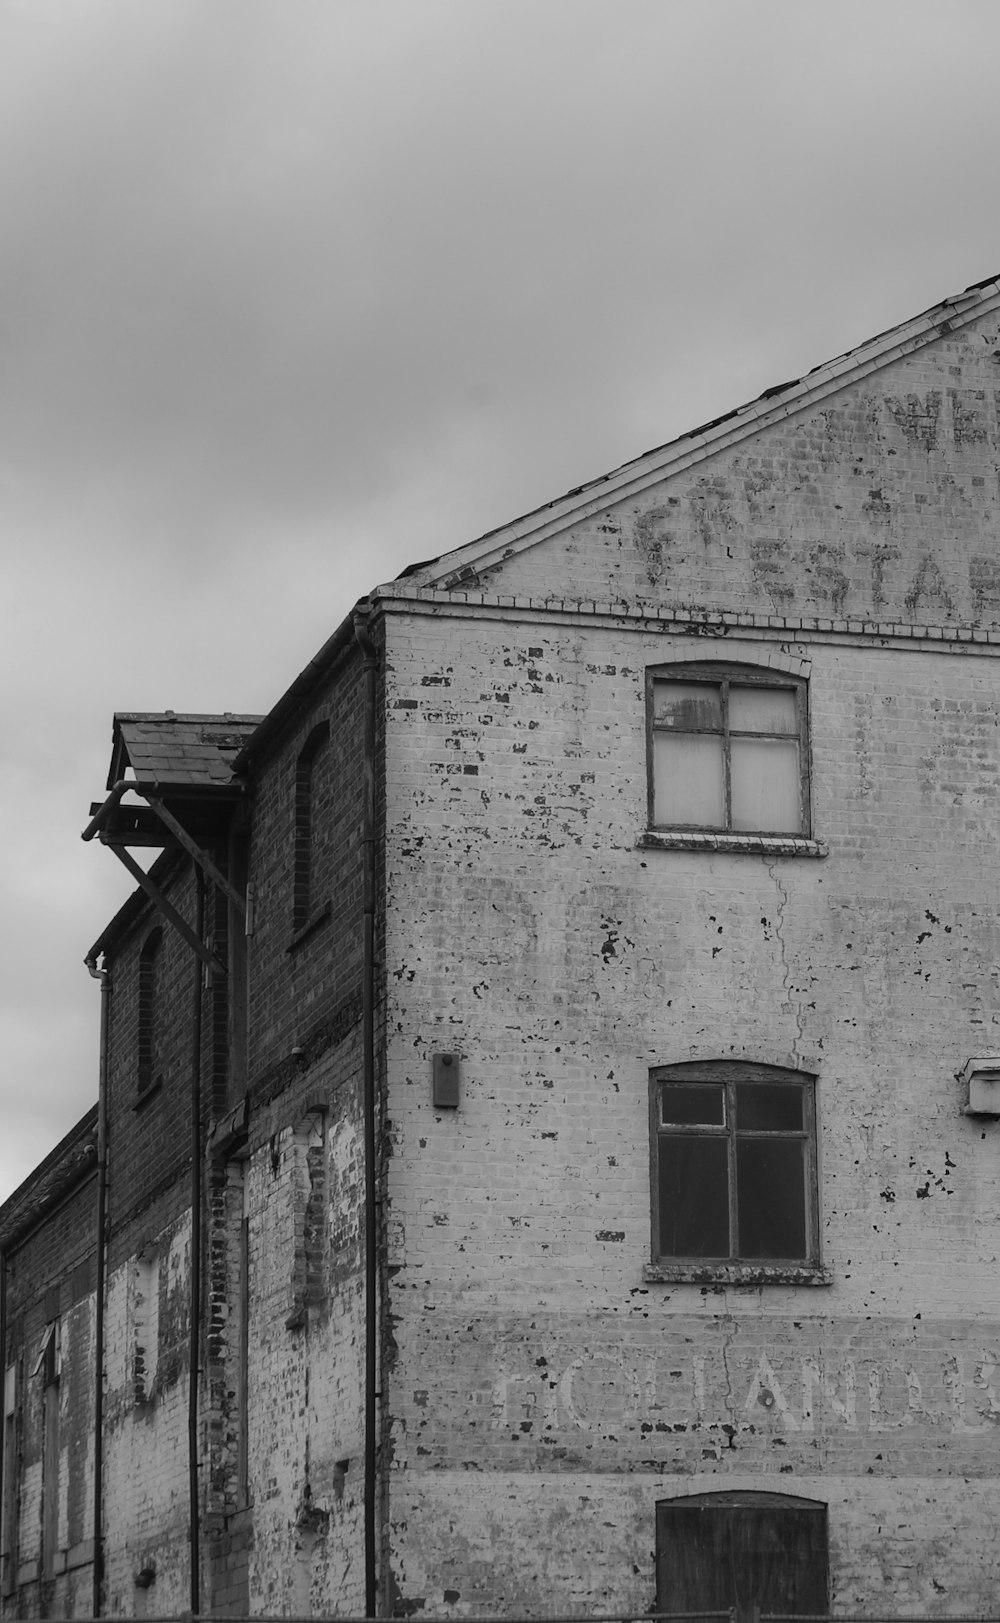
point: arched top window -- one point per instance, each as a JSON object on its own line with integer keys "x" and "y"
{"x": 150, "y": 1036}
{"x": 728, "y": 749}
{"x": 304, "y": 898}
{"x": 734, "y": 1183}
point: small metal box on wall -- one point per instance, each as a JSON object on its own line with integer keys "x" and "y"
{"x": 445, "y": 1076}
{"x": 982, "y": 1079}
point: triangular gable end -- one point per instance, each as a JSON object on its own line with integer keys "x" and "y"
{"x": 867, "y": 491}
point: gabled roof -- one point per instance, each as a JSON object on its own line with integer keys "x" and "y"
{"x": 460, "y": 566}
{"x": 172, "y": 750}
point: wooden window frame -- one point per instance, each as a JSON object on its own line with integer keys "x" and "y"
{"x": 723, "y": 676}
{"x": 734, "y": 1268}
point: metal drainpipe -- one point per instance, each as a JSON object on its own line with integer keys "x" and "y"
{"x": 104, "y": 977}
{"x": 3, "y": 1379}
{"x": 195, "y": 1325}
{"x": 368, "y": 1057}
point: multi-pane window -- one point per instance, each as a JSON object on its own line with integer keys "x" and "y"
{"x": 728, "y": 750}
{"x": 733, "y": 1164}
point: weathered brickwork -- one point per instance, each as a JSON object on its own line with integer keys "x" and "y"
{"x": 145, "y": 1458}
{"x": 543, "y": 1378}
{"x": 877, "y": 506}
{"x": 305, "y": 1174}
{"x": 148, "y": 1135}
{"x": 531, "y": 932}
{"x": 305, "y": 1381}
{"x": 49, "y": 1352}
{"x": 304, "y": 984}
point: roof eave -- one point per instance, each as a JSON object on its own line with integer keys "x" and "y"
{"x": 72, "y": 1160}
{"x": 295, "y": 697}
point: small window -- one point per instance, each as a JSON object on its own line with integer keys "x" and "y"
{"x": 733, "y": 1169}
{"x": 728, "y": 750}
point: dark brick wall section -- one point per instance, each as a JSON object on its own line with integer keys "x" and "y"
{"x": 301, "y": 977}
{"x": 50, "y": 1277}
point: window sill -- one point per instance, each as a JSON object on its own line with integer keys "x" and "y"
{"x": 736, "y": 1273}
{"x": 148, "y": 1093}
{"x": 753, "y": 845}
{"x": 306, "y": 930}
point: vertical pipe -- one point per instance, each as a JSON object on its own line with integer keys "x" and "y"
{"x": 3, "y": 1417}
{"x": 102, "y": 1218}
{"x": 368, "y": 1060}
{"x": 194, "y": 1344}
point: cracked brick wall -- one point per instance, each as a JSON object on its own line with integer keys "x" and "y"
{"x": 304, "y": 1174}
{"x": 876, "y": 506}
{"x": 545, "y": 1393}
{"x": 145, "y": 1434}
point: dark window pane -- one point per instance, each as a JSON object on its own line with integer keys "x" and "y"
{"x": 771, "y": 1197}
{"x": 774, "y": 1105}
{"x": 694, "y": 1196}
{"x": 689, "y": 1104}
{"x": 690, "y": 706}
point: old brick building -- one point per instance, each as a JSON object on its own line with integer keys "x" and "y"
{"x": 551, "y": 1087}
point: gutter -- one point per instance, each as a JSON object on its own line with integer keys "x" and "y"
{"x": 363, "y": 638}
{"x": 294, "y": 698}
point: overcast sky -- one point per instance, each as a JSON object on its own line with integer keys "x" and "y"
{"x": 295, "y": 292}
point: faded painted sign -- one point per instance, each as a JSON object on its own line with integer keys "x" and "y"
{"x": 701, "y": 1389}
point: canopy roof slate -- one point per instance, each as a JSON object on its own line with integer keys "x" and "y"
{"x": 178, "y": 750}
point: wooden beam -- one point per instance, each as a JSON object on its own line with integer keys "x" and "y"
{"x": 195, "y": 851}
{"x": 168, "y": 910}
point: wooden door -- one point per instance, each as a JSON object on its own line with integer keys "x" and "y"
{"x": 736, "y": 1552}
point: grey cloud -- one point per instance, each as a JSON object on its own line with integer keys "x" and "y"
{"x": 295, "y": 293}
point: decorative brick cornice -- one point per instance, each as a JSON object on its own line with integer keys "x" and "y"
{"x": 693, "y": 620}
